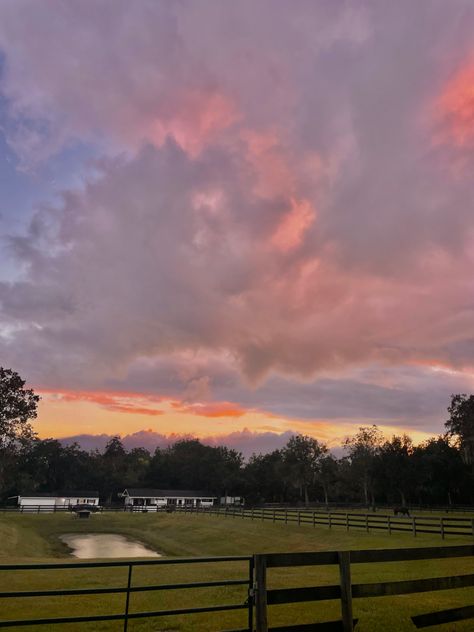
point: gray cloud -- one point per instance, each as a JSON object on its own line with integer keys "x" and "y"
{"x": 244, "y": 441}
{"x": 271, "y": 215}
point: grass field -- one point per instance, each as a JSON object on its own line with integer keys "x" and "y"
{"x": 35, "y": 539}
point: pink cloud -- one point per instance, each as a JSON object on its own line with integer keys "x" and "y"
{"x": 193, "y": 121}
{"x": 263, "y": 199}
{"x": 294, "y": 225}
{"x": 455, "y": 106}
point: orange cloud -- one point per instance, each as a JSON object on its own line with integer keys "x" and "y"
{"x": 455, "y": 106}
{"x": 142, "y": 404}
{"x": 123, "y": 402}
{"x": 212, "y": 410}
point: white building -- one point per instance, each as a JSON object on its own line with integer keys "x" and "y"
{"x": 232, "y": 500}
{"x": 155, "y": 499}
{"x": 57, "y": 501}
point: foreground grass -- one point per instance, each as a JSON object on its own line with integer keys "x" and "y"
{"x": 35, "y": 538}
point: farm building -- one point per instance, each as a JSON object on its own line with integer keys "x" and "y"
{"x": 52, "y": 501}
{"x": 154, "y": 499}
{"x": 232, "y": 500}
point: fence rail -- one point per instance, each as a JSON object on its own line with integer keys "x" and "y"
{"x": 345, "y": 591}
{"x": 259, "y": 597}
{"x": 442, "y": 525}
{"x": 130, "y": 589}
{"x": 434, "y": 525}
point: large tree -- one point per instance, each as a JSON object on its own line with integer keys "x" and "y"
{"x": 461, "y": 425}
{"x": 363, "y": 449}
{"x": 302, "y": 456}
{"x": 327, "y": 476}
{"x": 264, "y": 477}
{"x": 441, "y": 475}
{"x": 112, "y": 466}
{"x": 394, "y": 469}
{"x": 18, "y": 405}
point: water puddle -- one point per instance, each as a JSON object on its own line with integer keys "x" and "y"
{"x": 92, "y": 545}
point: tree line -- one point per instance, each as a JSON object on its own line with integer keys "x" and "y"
{"x": 373, "y": 469}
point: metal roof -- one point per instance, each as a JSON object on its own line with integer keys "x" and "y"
{"x": 61, "y": 494}
{"x": 168, "y": 493}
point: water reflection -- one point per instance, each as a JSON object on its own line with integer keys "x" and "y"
{"x": 92, "y": 545}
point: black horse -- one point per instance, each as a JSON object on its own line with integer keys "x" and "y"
{"x": 401, "y": 510}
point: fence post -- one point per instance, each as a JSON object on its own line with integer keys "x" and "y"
{"x": 127, "y": 599}
{"x": 251, "y": 515}
{"x": 251, "y": 599}
{"x": 299, "y": 518}
{"x": 261, "y": 593}
{"x": 286, "y": 516}
{"x": 389, "y": 524}
{"x": 274, "y": 515}
{"x": 263, "y": 514}
{"x": 367, "y": 522}
{"x": 346, "y": 590}
{"x": 329, "y": 521}
{"x": 414, "y": 526}
{"x": 314, "y": 519}
{"x": 441, "y": 520}
{"x": 347, "y": 522}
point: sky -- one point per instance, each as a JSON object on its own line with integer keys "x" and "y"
{"x": 237, "y": 220}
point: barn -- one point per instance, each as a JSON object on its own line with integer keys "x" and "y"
{"x": 155, "y": 499}
{"x": 57, "y": 501}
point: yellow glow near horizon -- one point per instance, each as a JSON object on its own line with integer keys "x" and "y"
{"x": 61, "y": 416}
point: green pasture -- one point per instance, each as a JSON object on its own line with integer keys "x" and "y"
{"x": 34, "y": 538}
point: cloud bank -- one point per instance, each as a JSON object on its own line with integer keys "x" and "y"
{"x": 279, "y": 214}
{"x": 244, "y": 441}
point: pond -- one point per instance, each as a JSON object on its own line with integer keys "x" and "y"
{"x": 90, "y": 545}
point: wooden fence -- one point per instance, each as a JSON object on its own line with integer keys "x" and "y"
{"x": 346, "y": 591}
{"x": 128, "y": 589}
{"x": 257, "y": 596}
{"x": 435, "y": 525}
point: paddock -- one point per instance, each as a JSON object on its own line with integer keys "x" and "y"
{"x": 33, "y": 539}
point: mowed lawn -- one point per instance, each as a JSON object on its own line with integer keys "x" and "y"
{"x": 35, "y": 538}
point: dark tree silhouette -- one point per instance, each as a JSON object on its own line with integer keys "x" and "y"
{"x": 302, "y": 456}
{"x": 363, "y": 449}
{"x": 461, "y": 425}
{"x": 17, "y": 406}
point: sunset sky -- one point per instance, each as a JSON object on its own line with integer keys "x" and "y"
{"x": 237, "y": 220}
